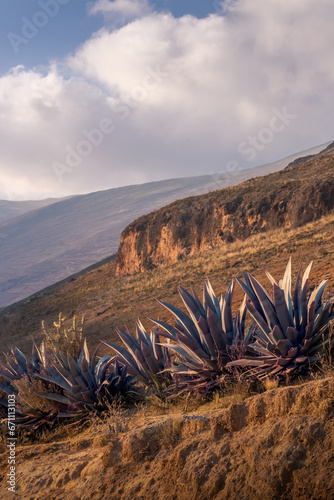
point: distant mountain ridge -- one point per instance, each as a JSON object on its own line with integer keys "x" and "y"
{"x": 303, "y": 159}
{"x": 11, "y": 209}
{"x": 50, "y": 243}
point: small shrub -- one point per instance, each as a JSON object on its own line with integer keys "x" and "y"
{"x": 269, "y": 384}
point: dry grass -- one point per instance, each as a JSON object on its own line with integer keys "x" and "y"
{"x": 269, "y": 384}
{"x": 325, "y": 366}
{"x": 115, "y": 420}
{"x": 238, "y": 255}
{"x": 282, "y": 440}
{"x": 64, "y": 340}
{"x": 107, "y": 301}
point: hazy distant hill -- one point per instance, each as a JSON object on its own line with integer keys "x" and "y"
{"x": 12, "y": 209}
{"x": 50, "y": 243}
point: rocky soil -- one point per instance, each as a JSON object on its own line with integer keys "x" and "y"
{"x": 276, "y": 445}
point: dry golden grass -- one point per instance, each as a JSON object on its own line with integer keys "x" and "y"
{"x": 62, "y": 339}
{"x": 107, "y": 301}
{"x": 123, "y": 438}
{"x": 279, "y": 442}
{"x": 269, "y": 384}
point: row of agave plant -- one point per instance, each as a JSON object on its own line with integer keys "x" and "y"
{"x": 271, "y": 335}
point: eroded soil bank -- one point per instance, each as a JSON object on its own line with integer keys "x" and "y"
{"x": 277, "y": 445}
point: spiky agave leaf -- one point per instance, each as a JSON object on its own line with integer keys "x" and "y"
{"x": 291, "y": 332}
{"x": 143, "y": 356}
{"x": 88, "y": 385}
{"x": 33, "y": 419}
{"x": 18, "y": 366}
{"x": 204, "y": 341}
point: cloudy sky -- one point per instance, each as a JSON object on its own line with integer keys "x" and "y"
{"x": 100, "y": 94}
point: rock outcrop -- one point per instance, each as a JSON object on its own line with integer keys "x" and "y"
{"x": 292, "y": 197}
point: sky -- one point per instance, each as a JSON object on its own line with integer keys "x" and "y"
{"x": 107, "y": 93}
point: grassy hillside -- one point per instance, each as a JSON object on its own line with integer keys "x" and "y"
{"x": 50, "y": 243}
{"x": 108, "y": 301}
{"x": 247, "y": 440}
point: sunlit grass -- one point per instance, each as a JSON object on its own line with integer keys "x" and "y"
{"x": 107, "y": 301}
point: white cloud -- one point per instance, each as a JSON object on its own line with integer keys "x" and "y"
{"x": 128, "y": 9}
{"x": 217, "y": 81}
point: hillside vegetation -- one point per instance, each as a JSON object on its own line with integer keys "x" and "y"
{"x": 108, "y": 301}
{"x": 232, "y": 434}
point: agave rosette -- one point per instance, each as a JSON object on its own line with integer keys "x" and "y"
{"x": 291, "y": 333}
{"x": 205, "y": 340}
{"x": 16, "y": 367}
{"x": 143, "y": 356}
{"x": 88, "y": 384}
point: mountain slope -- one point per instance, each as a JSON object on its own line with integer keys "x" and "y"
{"x": 53, "y": 242}
{"x": 299, "y": 194}
{"x": 11, "y": 209}
{"x": 49, "y": 244}
{"x": 107, "y": 301}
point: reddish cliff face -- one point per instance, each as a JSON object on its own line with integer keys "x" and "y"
{"x": 290, "y": 198}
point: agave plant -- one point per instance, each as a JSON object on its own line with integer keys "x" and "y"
{"x": 88, "y": 385}
{"x": 18, "y": 365}
{"x": 207, "y": 339}
{"x": 19, "y": 370}
{"x": 143, "y": 356}
{"x": 291, "y": 333}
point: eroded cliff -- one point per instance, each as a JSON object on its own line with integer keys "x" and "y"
{"x": 290, "y": 198}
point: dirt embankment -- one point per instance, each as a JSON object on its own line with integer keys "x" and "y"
{"x": 290, "y": 198}
{"x": 277, "y": 445}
